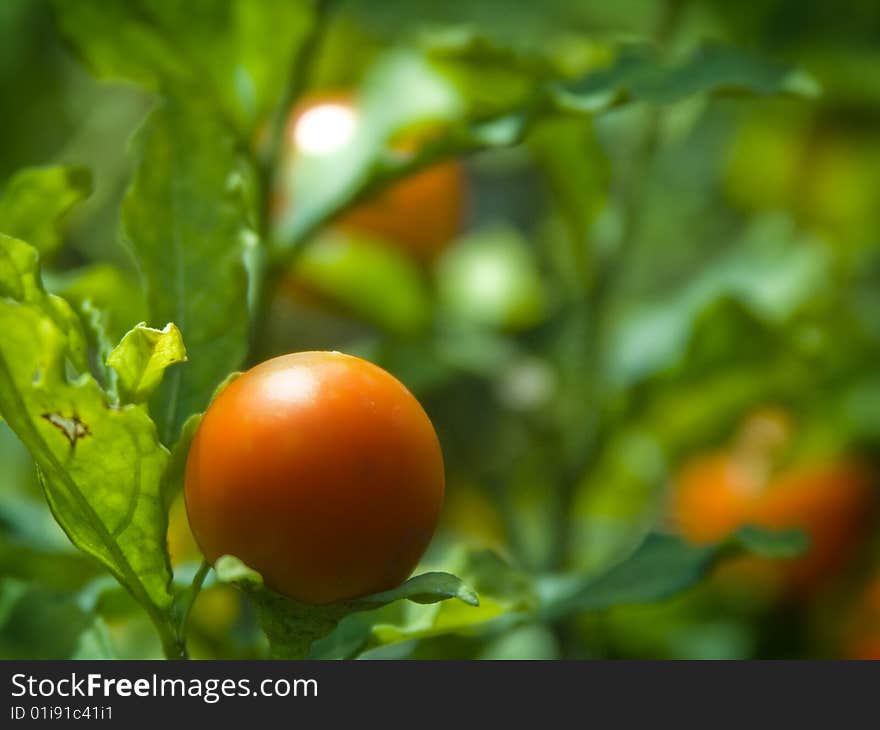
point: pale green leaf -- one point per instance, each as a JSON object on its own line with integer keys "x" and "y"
{"x": 141, "y": 358}
{"x": 425, "y": 589}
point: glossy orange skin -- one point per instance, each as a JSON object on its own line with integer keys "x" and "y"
{"x": 831, "y": 502}
{"x": 319, "y": 470}
{"x": 420, "y": 215}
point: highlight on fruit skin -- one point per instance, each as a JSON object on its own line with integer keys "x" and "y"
{"x": 832, "y": 500}
{"x": 320, "y": 471}
{"x": 419, "y": 215}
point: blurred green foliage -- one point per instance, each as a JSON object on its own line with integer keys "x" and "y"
{"x": 672, "y": 220}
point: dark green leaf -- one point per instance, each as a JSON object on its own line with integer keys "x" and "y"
{"x": 772, "y": 544}
{"x": 425, "y": 589}
{"x": 662, "y": 566}
{"x": 25, "y": 613}
{"x": 292, "y": 627}
{"x": 505, "y": 594}
{"x": 638, "y": 75}
{"x": 236, "y": 53}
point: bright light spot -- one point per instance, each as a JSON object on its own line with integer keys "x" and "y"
{"x": 294, "y": 385}
{"x": 324, "y": 129}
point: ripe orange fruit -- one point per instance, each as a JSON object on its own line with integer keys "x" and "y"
{"x": 320, "y": 471}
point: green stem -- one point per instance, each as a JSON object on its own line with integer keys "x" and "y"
{"x": 297, "y": 81}
{"x": 193, "y": 593}
{"x": 173, "y": 644}
{"x": 272, "y": 159}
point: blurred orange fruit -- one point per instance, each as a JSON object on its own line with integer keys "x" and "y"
{"x": 863, "y": 631}
{"x": 717, "y": 493}
{"x": 420, "y": 214}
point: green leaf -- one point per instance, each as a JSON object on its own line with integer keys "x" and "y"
{"x": 64, "y": 568}
{"x": 103, "y": 288}
{"x": 27, "y": 610}
{"x": 141, "y": 358}
{"x": 36, "y": 201}
{"x": 123, "y": 40}
{"x": 426, "y": 588}
{"x": 188, "y": 219}
{"x": 505, "y": 594}
{"x": 95, "y": 642}
{"x": 101, "y": 466}
{"x": 368, "y": 278}
{"x": 660, "y": 567}
{"x": 236, "y": 53}
{"x": 568, "y": 154}
{"x": 772, "y": 270}
{"x": 772, "y": 543}
{"x": 292, "y": 627}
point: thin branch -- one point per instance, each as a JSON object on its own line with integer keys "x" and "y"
{"x": 297, "y": 80}
{"x": 194, "y": 590}
{"x": 272, "y": 159}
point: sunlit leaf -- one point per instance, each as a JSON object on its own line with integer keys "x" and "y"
{"x": 141, "y": 358}
{"x": 101, "y": 465}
